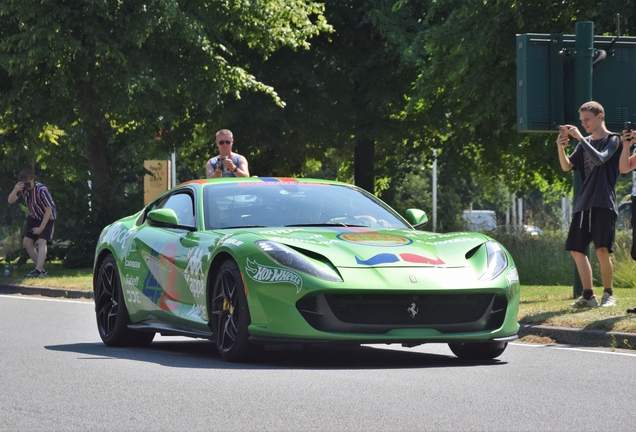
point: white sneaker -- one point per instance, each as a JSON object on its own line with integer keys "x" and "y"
{"x": 608, "y": 300}
{"x": 583, "y": 303}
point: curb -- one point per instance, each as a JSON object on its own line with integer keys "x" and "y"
{"x": 6, "y": 288}
{"x": 573, "y": 336}
{"x": 560, "y": 335}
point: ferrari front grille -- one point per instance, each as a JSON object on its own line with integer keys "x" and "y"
{"x": 374, "y": 313}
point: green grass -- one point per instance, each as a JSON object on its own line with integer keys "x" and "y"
{"x": 550, "y": 305}
{"x": 540, "y": 304}
{"x": 59, "y": 277}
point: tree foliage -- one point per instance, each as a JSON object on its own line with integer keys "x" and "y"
{"x": 466, "y": 88}
{"x": 357, "y": 90}
{"x": 343, "y": 99}
{"x": 114, "y": 74}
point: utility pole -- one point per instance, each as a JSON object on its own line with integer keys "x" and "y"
{"x": 583, "y": 58}
{"x": 434, "y": 190}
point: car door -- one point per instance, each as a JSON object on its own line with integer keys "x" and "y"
{"x": 163, "y": 255}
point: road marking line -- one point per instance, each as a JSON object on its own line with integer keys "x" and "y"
{"x": 46, "y": 299}
{"x": 599, "y": 351}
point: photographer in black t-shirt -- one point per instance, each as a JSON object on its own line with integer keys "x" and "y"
{"x": 595, "y": 212}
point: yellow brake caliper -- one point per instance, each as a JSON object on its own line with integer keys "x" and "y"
{"x": 227, "y": 306}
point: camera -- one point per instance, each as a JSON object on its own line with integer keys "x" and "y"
{"x": 221, "y": 159}
{"x": 27, "y": 184}
{"x": 628, "y": 126}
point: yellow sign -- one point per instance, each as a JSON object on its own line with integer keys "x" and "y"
{"x": 158, "y": 181}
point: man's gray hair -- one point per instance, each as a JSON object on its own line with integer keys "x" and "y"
{"x": 224, "y": 132}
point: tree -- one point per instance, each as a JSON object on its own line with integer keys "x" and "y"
{"x": 114, "y": 74}
{"x": 466, "y": 87}
{"x": 343, "y": 99}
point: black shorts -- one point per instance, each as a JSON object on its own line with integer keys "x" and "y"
{"x": 597, "y": 225}
{"x": 47, "y": 233}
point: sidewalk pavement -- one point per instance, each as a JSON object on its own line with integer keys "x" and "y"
{"x": 560, "y": 335}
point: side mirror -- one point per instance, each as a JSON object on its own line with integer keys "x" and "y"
{"x": 416, "y": 217}
{"x": 164, "y": 217}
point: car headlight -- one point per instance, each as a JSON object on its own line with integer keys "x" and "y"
{"x": 497, "y": 261}
{"x": 287, "y": 257}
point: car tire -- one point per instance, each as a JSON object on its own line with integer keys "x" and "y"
{"x": 110, "y": 309}
{"x": 478, "y": 350}
{"x": 230, "y": 314}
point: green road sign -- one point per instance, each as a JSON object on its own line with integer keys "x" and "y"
{"x": 546, "y": 81}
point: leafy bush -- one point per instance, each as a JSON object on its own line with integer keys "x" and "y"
{"x": 11, "y": 244}
{"x": 543, "y": 260}
{"x": 11, "y": 249}
{"x": 624, "y": 266}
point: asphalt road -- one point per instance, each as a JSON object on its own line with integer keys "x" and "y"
{"x": 56, "y": 374}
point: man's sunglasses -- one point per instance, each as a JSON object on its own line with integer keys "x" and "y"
{"x": 227, "y": 142}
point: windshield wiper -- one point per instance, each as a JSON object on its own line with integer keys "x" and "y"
{"x": 244, "y": 226}
{"x": 327, "y": 224}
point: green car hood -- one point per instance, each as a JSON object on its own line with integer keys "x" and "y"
{"x": 355, "y": 247}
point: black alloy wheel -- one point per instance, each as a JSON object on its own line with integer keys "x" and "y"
{"x": 110, "y": 309}
{"x": 230, "y": 314}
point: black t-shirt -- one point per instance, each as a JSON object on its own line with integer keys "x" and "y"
{"x": 598, "y": 187}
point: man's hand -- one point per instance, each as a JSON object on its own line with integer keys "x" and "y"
{"x": 13, "y": 196}
{"x": 229, "y": 164}
{"x": 19, "y": 186}
{"x": 573, "y": 131}
{"x": 563, "y": 141}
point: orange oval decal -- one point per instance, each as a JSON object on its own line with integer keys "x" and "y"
{"x": 375, "y": 239}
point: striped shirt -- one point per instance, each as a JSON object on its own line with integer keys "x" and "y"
{"x": 37, "y": 200}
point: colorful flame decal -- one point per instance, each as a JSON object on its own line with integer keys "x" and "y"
{"x": 387, "y": 258}
{"x": 421, "y": 259}
{"x": 384, "y": 258}
{"x": 198, "y": 181}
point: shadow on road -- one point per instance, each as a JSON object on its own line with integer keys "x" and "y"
{"x": 198, "y": 354}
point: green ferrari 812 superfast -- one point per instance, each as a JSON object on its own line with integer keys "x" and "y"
{"x": 254, "y": 263}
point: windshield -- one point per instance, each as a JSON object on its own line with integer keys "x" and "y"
{"x": 279, "y": 204}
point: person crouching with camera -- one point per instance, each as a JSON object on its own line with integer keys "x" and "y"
{"x": 40, "y": 221}
{"x": 227, "y": 163}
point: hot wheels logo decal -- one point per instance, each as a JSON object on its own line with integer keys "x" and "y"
{"x": 267, "y": 274}
{"x": 375, "y": 239}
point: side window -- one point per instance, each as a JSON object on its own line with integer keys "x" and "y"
{"x": 142, "y": 217}
{"x": 183, "y": 206}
